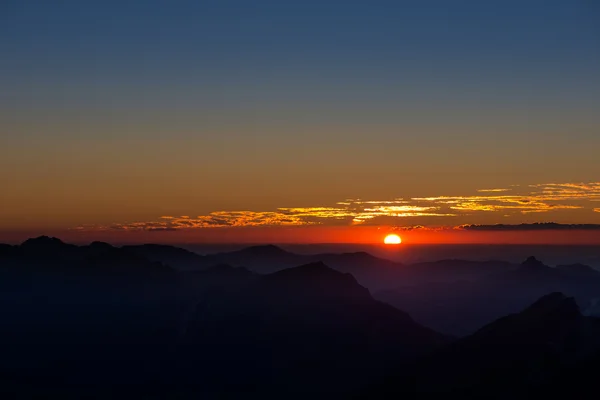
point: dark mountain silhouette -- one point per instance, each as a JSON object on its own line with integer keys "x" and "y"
{"x": 92, "y": 317}
{"x": 579, "y": 381}
{"x": 534, "y": 267}
{"x": 261, "y": 259}
{"x": 509, "y": 358}
{"x": 315, "y": 281}
{"x": 302, "y": 331}
{"x": 48, "y": 255}
{"x": 373, "y": 272}
{"x": 175, "y": 257}
{"x": 79, "y": 321}
{"x": 6, "y": 251}
{"x": 45, "y": 243}
{"x": 49, "y": 248}
{"x": 100, "y": 247}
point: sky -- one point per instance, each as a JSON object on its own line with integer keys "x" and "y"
{"x": 299, "y": 121}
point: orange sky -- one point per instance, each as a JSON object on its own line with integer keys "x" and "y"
{"x": 430, "y": 218}
{"x": 355, "y": 234}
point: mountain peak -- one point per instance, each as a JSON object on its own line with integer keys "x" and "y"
{"x": 317, "y": 277}
{"x": 43, "y": 241}
{"x": 532, "y": 263}
{"x": 553, "y": 303}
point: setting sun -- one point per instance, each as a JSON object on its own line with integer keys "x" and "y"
{"x": 392, "y": 239}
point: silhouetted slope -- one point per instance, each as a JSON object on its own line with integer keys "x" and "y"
{"x": 46, "y": 255}
{"x": 46, "y": 244}
{"x": 175, "y": 257}
{"x": 507, "y": 358}
{"x": 304, "y": 330}
{"x": 262, "y": 259}
{"x": 78, "y": 320}
{"x": 374, "y": 272}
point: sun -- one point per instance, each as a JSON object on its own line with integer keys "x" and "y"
{"x": 392, "y": 239}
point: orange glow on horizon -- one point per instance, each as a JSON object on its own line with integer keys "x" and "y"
{"x": 316, "y": 234}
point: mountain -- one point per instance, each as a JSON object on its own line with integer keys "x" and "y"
{"x": 100, "y": 315}
{"x": 462, "y": 306}
{"x": 175, "y": 257}
{"x": 45, "y": 243}
{"x": 535, "y": 268}
{"x": 49, "y": 248}
{"x": 579, "y": 270}
{"x": 82, "y": 320}
{"x": 47, "y": 255}
{"x": 371, "y": 271}
{"x": 103, "y": 257}
{"x": 307, "y": 330}
{"x": 6, "y": 251}
{"x": 261, "y": 259}
{"x": 509, "y": 358}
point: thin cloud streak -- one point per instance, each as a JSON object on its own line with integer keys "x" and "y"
{"x": 530, "y": 227}
{"x": 493, "y": 190}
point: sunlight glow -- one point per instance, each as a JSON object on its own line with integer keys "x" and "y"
{"x": 392, "y": 239}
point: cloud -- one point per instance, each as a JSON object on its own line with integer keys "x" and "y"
{"x": 536, "y": 198}
{"x": 493, "y": 190}
{"x": 530, "y": 227}
{"x": 529, "y": 199}
{"x": 409, "y": 228}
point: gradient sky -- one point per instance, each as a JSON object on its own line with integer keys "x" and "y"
{"x": 114, "y": 114}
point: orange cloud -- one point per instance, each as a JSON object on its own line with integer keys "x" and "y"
{"x": 530, "y": 199}
{"x": 493, "y": 190}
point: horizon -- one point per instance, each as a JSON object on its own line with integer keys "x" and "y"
{"x": 550, "y": 254}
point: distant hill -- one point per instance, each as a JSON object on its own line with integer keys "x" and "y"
{"x": 461, "y": 306}
{"x": 509, "y": 358}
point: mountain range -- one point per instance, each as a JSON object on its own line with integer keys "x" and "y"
{"x": 157, "y": 321}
